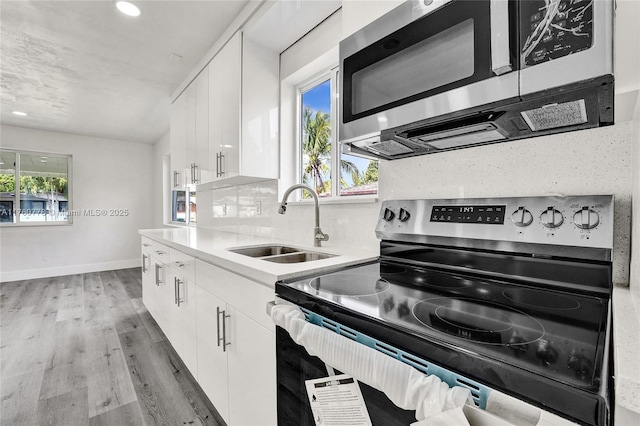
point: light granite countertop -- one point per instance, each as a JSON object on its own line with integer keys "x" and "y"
{"x": 212, "y": 247}
{"x": 626, "y": 337}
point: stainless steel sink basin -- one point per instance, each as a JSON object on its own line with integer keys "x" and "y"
{"x": 280, "y": 254}
{"x": 298, "y": 257}
{"x": 263, "y": 251}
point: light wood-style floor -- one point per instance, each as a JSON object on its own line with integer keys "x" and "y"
{"x": 83, "y": 350}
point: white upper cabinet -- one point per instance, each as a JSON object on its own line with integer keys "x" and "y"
{"x": 224, "y": 109}
{"x": 224, "y": 126}
{"x": 189, "y": 134}
{"x": 243, "y": 112}
{"x": 178, "y": 141}
{"x": 199, "y": 151}
{"x": 260, "y": 151}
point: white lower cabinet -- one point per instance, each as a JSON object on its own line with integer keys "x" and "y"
{"x": 216, "y": 322}
{"x": 182, "y": 310}
{"x": 252, "y": 379}
{"x": 212, "y": 359}
{"x": 236, "y": 346}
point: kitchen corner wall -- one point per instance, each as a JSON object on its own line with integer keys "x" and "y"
{"x": 107, "y": 174}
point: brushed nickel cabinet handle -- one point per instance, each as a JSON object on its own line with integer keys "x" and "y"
{"x": 158, "y": 267}
{"x": 218, "y": 325}
{"x": 176, "y": 175}
{"x": 144, "y": 263}
{"x": 179, "y": 300}
{"x": 222, "y": 339}
{"x": 196, "y": 172}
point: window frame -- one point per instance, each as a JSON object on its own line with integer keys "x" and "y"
{"x": 16, "y": 196}
{"x": 332, "y": 75}
{"x": 187, "y": 196}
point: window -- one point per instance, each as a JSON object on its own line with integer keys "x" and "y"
{"x": 183, "y": 206}
{"x": 41, "y": 194}
{"x": 320, "y": 159}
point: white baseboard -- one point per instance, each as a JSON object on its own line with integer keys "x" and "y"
{"x": 31, "y": 274}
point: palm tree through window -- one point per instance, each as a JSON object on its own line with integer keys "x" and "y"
{"x": 320, "y": 158}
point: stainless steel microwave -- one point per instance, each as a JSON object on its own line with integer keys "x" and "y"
{"x": 436, "y": 75}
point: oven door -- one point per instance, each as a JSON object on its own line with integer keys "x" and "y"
{"x": 295, "y": 365}
{"x": 419, "y": 61}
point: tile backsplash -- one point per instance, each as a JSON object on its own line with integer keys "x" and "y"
{"x": 596, "y": 161}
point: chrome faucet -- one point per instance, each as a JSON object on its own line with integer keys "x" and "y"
{"x": 318, "y": 235}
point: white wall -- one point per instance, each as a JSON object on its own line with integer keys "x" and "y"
{"x": 107, "y": 174}
{"x": 635, "y": 222}
{"x": 161, "y": 203}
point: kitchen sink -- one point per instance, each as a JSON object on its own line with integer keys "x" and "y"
{"x": 280, "y": 254}
{"x": 263, "y": 251}
{"x": 298, "y": 257}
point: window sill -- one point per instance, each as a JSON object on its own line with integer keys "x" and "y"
{"x": 32, "y": 224}
{"x": 179, "y": 225}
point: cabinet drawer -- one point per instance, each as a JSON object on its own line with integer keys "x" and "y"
{"x": 160, "y": 252}
{"x": 146, "y": 246}
{"x": 182, "y": 264}
{"x": 247, "y": 296}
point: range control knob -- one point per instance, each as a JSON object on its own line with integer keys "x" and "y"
{"x": 586, "y": 218}
{"x": 388, "y": 215}
{"x": 522, "y": 217}
{"x": 404, "y": 215}
{"x": 551, "y": 218}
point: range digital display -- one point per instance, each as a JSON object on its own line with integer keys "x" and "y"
{"x": 490, "y": 215}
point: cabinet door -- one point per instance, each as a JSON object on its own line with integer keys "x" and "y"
{"x": 170, "y": 314}
{"x": 212, "y": 360}
{"x": 260, "y": 155}
{"x": 230, "y": 81}
{"x": 185, "y": 331}
{"x": 147, "y": 270}
{"x": 147, "y": 279}
{"x": 252, "y": 372}
{"x": 215, "y": 115}
{"x": 163, "y": 296}
{"x": 200, "y": 158}
{"x": 177, "y": 141}
{"x": 190, "y": 130}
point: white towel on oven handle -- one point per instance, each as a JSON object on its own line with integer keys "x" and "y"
{"x": 405, "y": 386}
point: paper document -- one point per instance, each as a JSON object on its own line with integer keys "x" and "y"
{"x": 337, "y": 401}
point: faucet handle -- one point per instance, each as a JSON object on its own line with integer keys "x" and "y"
{"x": 320, "y": 236}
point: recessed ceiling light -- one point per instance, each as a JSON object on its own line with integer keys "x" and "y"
{"x": 20, "y": 113}
{"x": 128, "y": 8}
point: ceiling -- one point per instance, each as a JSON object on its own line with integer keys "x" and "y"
{"x": 82, "y": 67}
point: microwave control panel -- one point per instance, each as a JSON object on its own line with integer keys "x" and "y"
{"x": 552, "y": 29}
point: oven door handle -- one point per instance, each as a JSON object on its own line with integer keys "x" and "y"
{"x": 269, "y": 306}
{"x": 500, "y": 54}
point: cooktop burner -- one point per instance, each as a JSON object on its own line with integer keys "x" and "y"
{"x": 349, "y": 285}
{"x": 541, "y": 299}
{"x": 486, "y": 323}
{"x": 538, "y": 330}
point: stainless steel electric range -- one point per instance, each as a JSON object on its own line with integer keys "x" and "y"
{"x": 504, "y": 294}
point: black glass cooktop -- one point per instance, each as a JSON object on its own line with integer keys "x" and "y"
{"x": 547, "y": 332}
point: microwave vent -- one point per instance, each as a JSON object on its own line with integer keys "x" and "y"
{"x": 556, "y": 115}
{"x": 466, "y": 135}
{"x": 390, "y": 147}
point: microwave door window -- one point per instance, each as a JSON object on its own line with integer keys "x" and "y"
{"x": 444, "y": 58}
